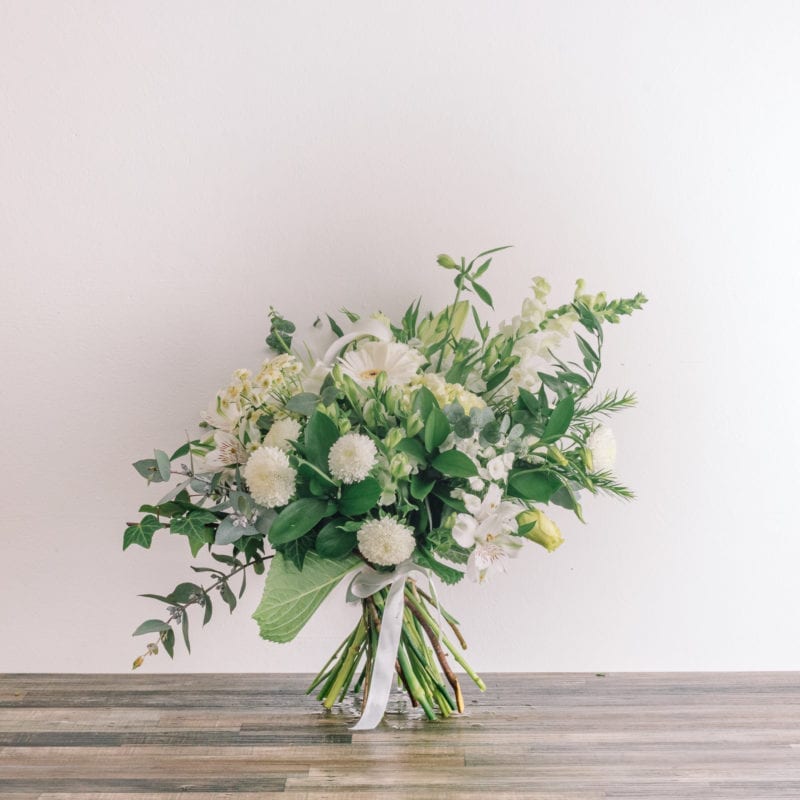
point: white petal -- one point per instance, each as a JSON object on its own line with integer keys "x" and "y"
{"x": 464, "y": 530}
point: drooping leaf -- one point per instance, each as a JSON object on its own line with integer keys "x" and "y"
{"x": 421, "y": 487}
{"x": 297, "y": 519}
{"x": 151, "y": 626}
{"x": 227, "y": 595}
{"x": 358, "y": 498}
{"x": 455, "y": 464}
{"x": 291, "y": 596}
{"x": 229, "y": 532}
{"x": 162, "y": 463}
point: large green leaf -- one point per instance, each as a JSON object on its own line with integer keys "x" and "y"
{"x": 437, "y": 429}
{"x": 533, "y": 484}
{"x": 358, "y": 498}
{"x": 320, "y": 433}
{"x": 455, "y": 464}
{"x": 291, "y": 596}
{"x": 297, "y": 519}
{"x": 560, "y": 418}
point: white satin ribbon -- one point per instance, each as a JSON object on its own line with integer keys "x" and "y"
{"x": 365, "y": 583}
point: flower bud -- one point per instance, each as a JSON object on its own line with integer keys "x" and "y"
{"x": 557, "y": 456}
{"x": 393, "y": 438}
{"x": 544, "y": 531}
{"x": 414, "y": 424}
{"x": 380, "y": 382}
{"x": 445, "y": 261}
{"x": 400, "y": 466}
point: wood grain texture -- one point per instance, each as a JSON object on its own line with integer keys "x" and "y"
{"x": 653, "y": 736}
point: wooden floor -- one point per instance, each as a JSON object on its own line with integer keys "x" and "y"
{"x": 555, "y": 737}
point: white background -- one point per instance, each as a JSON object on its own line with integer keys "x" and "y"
{"x": 170, "y": 170}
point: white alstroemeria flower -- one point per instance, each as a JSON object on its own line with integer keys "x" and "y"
{"x": 603, "y": 447}
{"x": 228, "y": 450}
{"x": 222, "y": 412}
{"x": 488, "y": 528}
{"x": 313, "y": 376}
{"x": 399, "y": 361}
{"x": 498, "y": 467}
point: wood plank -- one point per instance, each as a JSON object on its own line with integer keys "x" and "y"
{"x": 651, "y": 736}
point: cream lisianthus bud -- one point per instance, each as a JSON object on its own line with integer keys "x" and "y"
{"x": 544, "y": 531}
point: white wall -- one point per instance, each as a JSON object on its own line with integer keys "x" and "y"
{"x": 169, "y": 170}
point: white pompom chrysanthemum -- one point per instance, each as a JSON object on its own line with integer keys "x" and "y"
{"x": 386, "y": 541}
{"x": 270, "y": 477}
{"x": 282, "y": 432}
{"x": 352, "y": 457}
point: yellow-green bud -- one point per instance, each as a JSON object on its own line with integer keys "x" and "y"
{"x": 557, "y": 456}
{"x": 393, "y": 438}
{"x": 445, "y": 261}
{"x": 380, "y": 382}
{"x": 544, "y": 531}
{"x": 588, "y": 461}
{"x": 400, "y": 466}
{"x": 414, "y": 424}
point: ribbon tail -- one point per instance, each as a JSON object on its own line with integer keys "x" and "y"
{"x": 383, "y": 671}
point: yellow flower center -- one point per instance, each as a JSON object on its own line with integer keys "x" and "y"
{"x": 370, "y": 374}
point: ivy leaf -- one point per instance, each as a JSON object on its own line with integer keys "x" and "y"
{"x": 455, "y": 464}
{"x": 297, "y": 519}
{"x": 292, "y": 596}
{"x": 194, "y": 526}
{"x": 141, "y": 532}
{"x": 358, "y": 498}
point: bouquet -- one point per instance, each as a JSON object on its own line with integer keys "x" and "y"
{"x": 413, "y": 451}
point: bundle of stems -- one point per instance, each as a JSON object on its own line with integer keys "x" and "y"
{"x": 422, "y": 665}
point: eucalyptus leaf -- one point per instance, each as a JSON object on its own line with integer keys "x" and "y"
{"x": 162, "y": 462}
{"x": 304, "y": 403}
{"x": 151, "y": 626}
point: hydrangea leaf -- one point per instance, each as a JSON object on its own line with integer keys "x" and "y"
{"x": 291, "y": 596}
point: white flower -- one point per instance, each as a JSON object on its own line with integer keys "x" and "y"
{"x": 499, "y": 466}
{"x": 228, "y": 450}
{"x": 269, "y": 477}
{"x": 352, "y": 457}
{"x": 386, "y": 541}
{"x": 313, "y": 376}
{"x": 603, "y": 448}
{"x": 399, "y": 361}
{"x": 222, "y": 413}
{"x": 282, "y": 432}
{"x": 488, "y": 528}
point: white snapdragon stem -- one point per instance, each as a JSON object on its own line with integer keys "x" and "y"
{"x": 365, "y": 583}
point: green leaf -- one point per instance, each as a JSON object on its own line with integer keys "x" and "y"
{"x": 413, "y": 448}
{"x": 229, "y": 532}
{"x": 148, "y": 468}
{"x": 304, "y": 403}
{"x": 529, "y": 400}
{"x": 533, "y": 484}
{"x": 183, "y": 450}
{"x": 292, "y": 596}
{"x": 162, "y": 462}
{"x": 296, "y": 550}
{"x": 566, "y": 498}
{"x": 333, "y": 542}
{"x": 335, "y": 327}
{"x": 208, "y": 608}
{"x": 589, "y": 353}
{"x": 420, "y": 487}
{"x": 141, "y": 532}
{"x": 559, "y": 420}
{"x": 447, "y": 574}
{"x": 227, "y": 595}
{"x": 441, "y": 541}
{"x": 437, "y": 429}
{"x": 297, "y": 519}
{"x": 184, "y": 592}
{"x": 482, "y": 268}
{"x": 358, "y": 498}
{"x": 168, "y": 640}
{"x": 483, "y": 294}
{"x": 451, "y": 502}
{"x": 151, "y": 626}
{"x": 185, "y": 631}
{"x": 424, "y": 402}
{"x": 321, "y": 432}
{"x": 195, "y": 526}
{"x": 455, "y": 464}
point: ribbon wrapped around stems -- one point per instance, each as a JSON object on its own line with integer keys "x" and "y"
{"x": 367, "y": 582}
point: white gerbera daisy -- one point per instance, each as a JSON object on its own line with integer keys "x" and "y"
{"x": 282, "y": 432}
{"x": 269, "y": 477}
{"x": 603, "y": 447}
{"x": 352, "y": 457}
{"x": 399, "y": 361}
{"x": 386, "y": 541}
